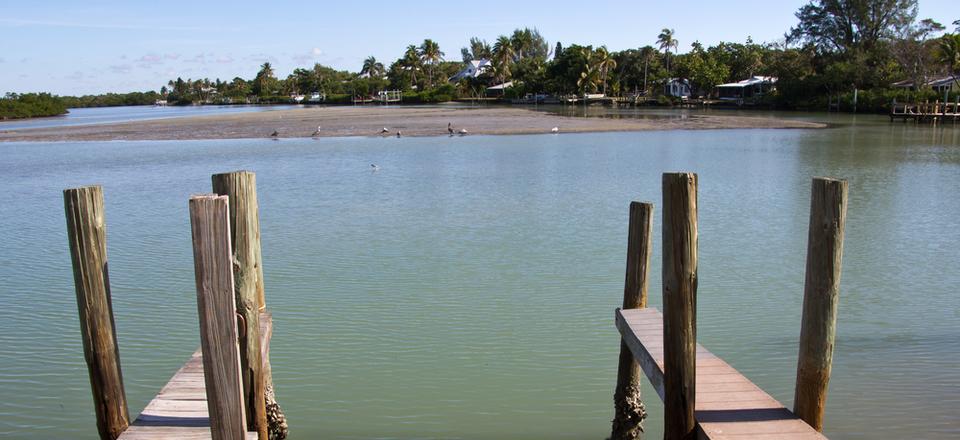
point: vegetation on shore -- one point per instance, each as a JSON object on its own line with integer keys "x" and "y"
{"x": 837, "y": 49}
{"x": 30, "y": 105}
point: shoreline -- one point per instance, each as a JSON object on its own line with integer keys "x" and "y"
{"x": 370, "y": 121}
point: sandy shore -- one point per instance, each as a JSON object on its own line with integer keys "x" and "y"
{"x": 369, "y": 121}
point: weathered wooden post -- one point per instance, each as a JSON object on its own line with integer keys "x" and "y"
{"x": 209, "y": 219}
{"x": 821, "y": 292}
{"x": 87, "y": 235}
{"x": 679, "y": 304}
{"x": 241, "y": 189}
{"x": 629, "y": 410}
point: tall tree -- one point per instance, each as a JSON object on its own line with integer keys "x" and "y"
{"x": 479, "y": 49}
{"x": 265, "y": 80}
{"x": 604, "y": 62}
{"x": 411, "y": 62}
{"x": 430, "y": 55}
{"x": 372, "y": 68}
{"x": 948, "y": 54}
{"x": 666, "y": 41}
{"x": 845, "y": 25}
{"x": 503, "y": 57}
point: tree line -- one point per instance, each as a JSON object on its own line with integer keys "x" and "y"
{"x": 836, "y": 47}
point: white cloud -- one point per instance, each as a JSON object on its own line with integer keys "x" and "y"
{"x": 121, "y": 68}
{"x": 316, "y": 52}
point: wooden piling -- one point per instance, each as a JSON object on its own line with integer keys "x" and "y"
{"x": 209, "y": 219}
{"x": 87, "y": 235}
{"x": 679, "y": 303}
{"x": 828, "y": 214}
{"x": 241, "y": 189}
{"x": 629, "y": 411}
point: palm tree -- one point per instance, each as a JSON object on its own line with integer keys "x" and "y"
{"x": 411, "y": 61}
{"x": 588, "y": 76}
{"x": 666, "y": 41}
{"x": 503, "y": 56}
{"x": 604, "y": 62}
{"x": 948, "y": 54}
{"x": 430, "y": 54}
{"x": 372, "y": 68}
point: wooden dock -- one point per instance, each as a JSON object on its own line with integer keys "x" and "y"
{"x": 728, "y": 405}
{"x": 926, "y": 112}
{"x": 179, "y": 410}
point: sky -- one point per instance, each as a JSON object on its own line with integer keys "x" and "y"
{"x": 84, "y": 47}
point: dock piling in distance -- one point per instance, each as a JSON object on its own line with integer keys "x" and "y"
{"x": 241, "y": 189}
{"x": 679, "y": 304}
{"x": 87, "y": 234}
{"x": 629, "y": 411}
{"x": 212, "y": 256}
{"x": 828, "y": 213}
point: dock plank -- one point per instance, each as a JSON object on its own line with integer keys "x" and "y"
{"x": 179, "y": 411}
{"x": 728, "y": 405}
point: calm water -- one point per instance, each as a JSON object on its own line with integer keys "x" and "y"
{"x": 466, "y": 290}
{"x": 106, "y": 115}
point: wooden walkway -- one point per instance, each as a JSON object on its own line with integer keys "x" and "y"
{"x": 180, "y": 409}
{"x": 728, "y": 405}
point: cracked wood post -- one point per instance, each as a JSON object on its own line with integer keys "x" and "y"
{"x": 209, "y": 220}
{"x": 821, "y": 292}
{"x": 241, "y": 189}
{"x": 629, "y": 411}
{"x": 679, "y": 304}
{"x": 87, "y": 235}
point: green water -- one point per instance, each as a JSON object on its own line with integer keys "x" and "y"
{"x": 466, "y": 289}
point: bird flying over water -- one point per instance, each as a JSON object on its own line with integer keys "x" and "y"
{"x": 374, "y": 167}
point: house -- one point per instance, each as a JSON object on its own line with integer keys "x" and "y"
{"x": 748, "y": 89}
{"x": 472, "y": 69}
{"x": 939, "y": 84}
{"x": 677, "y": 87}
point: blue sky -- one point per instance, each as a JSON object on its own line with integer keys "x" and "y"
{"x": 79, "y": 47}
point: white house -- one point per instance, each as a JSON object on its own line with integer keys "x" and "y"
{"x": 677, "y": 87}
{"x": 472, "y": 69}
{"x": 753, "y": 87}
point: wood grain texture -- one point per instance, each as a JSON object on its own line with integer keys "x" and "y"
{"x": 728, "y": 405}
{"x": 821, "y": 293}
{"x": 179, "y": 411}
{"x": 629, "y": 411}
{"x": 87, "y": 235}
{"x": 209, "y": 219}
{"x": 679, "y": 303}
{"x": 241, "y": 189}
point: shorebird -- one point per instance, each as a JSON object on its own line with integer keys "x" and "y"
{"x": 555, "y": 130}
{"x": 385, "y": 130}
{"x": 450, "y": 128}
{"x": 374, "y": 167}
{"x": 398, "y": 133}
{"x": 275, "y": 134}
{"x": 316, "y": 133}
{"x": 463, "y": 131}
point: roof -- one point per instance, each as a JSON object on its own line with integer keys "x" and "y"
{"x": 936, "y": 82}
{"x": 753, "y": 80}
{"x": 505, "y": 85}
